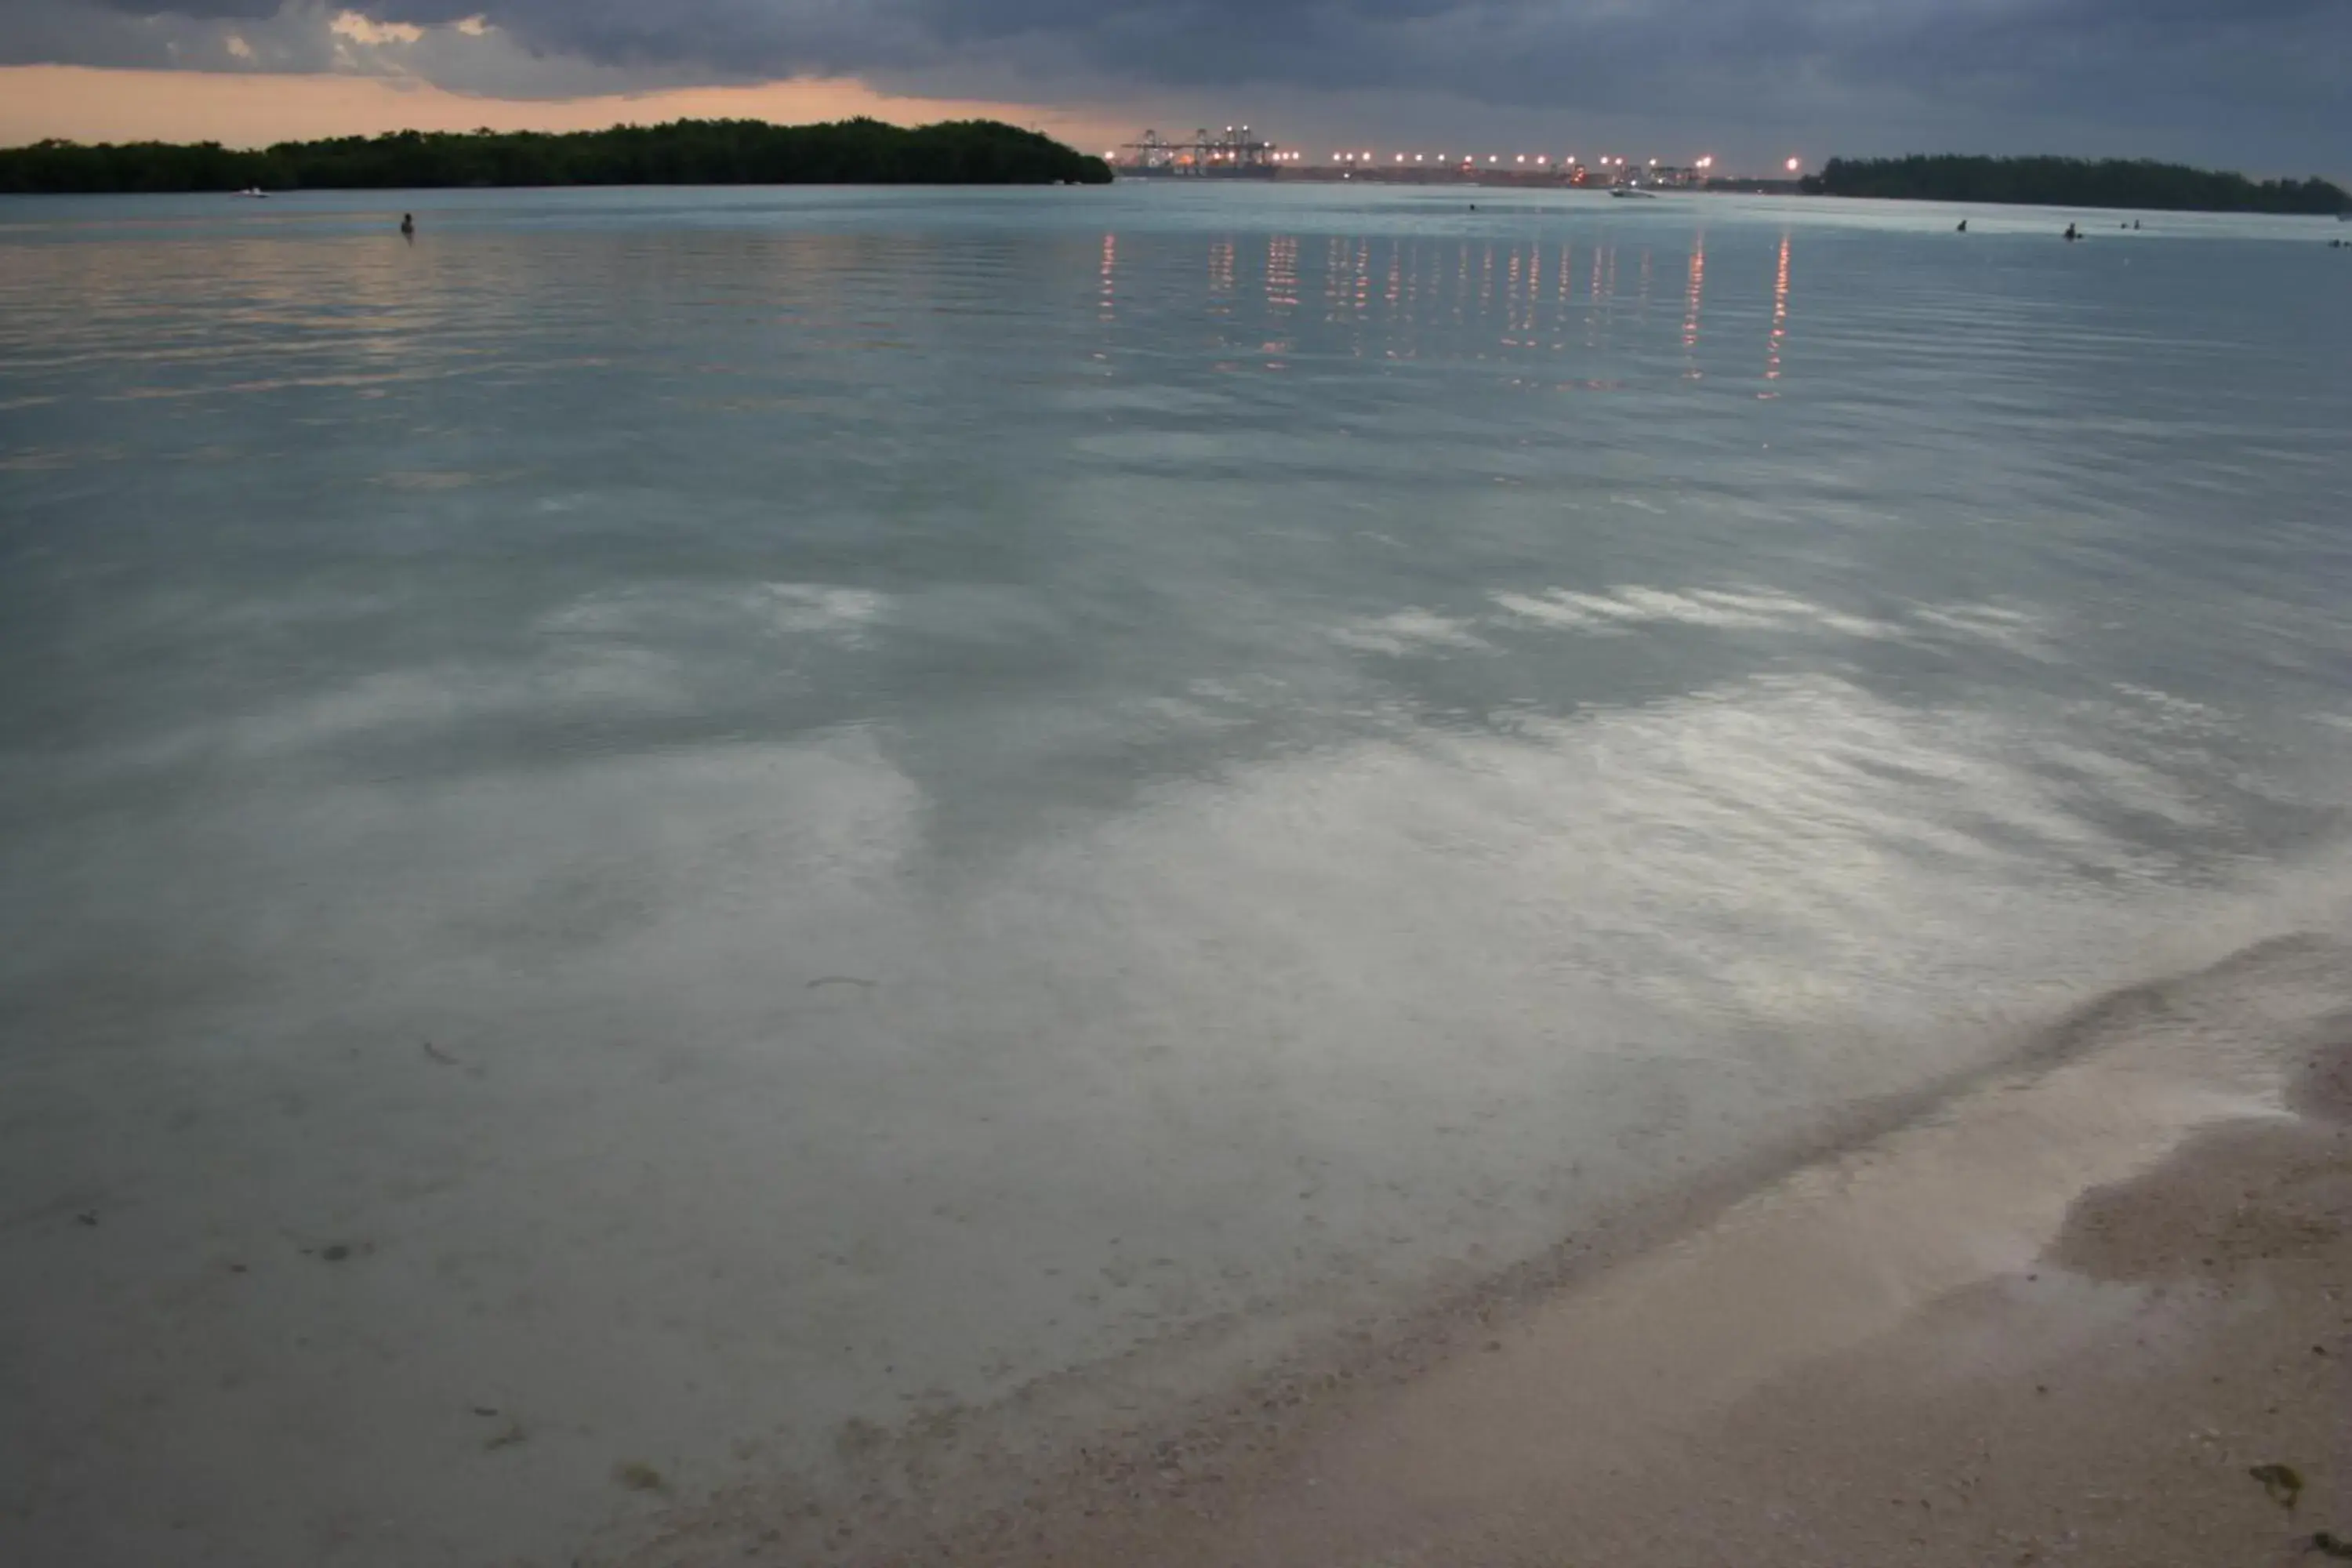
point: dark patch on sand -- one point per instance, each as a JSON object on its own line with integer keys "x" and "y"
{"x": 2324, "y": 1090}
{"x": 2230, "y": 1200}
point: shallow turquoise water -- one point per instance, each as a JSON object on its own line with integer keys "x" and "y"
{"x": 962, "y": 783}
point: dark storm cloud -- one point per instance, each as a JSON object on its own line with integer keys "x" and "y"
{"x": 241, "y": 10}
{"x": 2261, "y": 73}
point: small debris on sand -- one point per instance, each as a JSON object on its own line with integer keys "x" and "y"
{"x": 2282, "y": 1482}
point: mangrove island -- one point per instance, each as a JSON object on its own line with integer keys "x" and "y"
{"x": 684, "y": 153}
{"x": 2073, "y": 183}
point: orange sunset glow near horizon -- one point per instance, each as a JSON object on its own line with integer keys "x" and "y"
{"x": 242, "y": 108}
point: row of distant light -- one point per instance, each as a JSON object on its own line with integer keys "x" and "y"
{"x": 1112, "y": 156}
{"x": 1539, "y": 160}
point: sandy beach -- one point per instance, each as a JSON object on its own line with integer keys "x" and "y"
{"x": 2093, "y": 1309}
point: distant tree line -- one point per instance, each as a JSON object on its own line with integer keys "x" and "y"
{"x": 2073, "y": 183}
{"x": 686, "y": 152}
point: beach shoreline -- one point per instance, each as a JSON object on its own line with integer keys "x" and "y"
{"x": 2059, "y": 1313}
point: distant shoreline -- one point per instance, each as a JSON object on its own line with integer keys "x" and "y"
{"x": 2114, "y": 184}
{"x": 2110, "y": 185}
{"x": 683, "y": 152}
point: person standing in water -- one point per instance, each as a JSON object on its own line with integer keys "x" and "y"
{"x": 408, "y": 227}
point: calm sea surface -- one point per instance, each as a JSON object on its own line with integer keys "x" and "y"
{"x": 717, "y": 821}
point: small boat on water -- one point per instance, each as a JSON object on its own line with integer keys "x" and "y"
{"x": 1627, "y": 193}
{"x": 256, "y": 192}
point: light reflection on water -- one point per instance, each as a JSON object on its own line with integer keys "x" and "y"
{"x": 965, "y": 782}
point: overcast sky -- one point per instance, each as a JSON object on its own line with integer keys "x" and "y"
{"x": 2264, "y": 85}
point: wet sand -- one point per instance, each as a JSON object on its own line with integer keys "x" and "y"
{"x": 2062, "y": 1317}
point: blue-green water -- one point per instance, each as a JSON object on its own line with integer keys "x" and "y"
{"x": 787, "y": 811}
